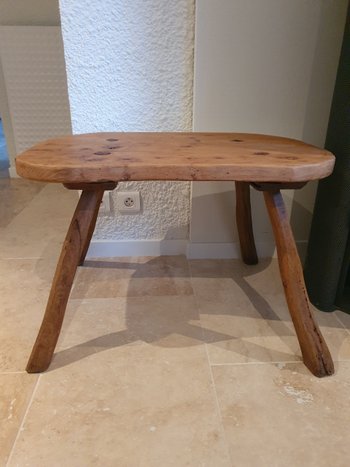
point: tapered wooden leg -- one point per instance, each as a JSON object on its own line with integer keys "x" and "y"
{"x": 244, "y": 223}
{"x": 314, "y": 349}
{"x": 76, "y": 242}
{"x": 105, "y": 186}
{"x": 89, "y": 233}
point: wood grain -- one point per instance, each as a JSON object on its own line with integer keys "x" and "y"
{"x": 107, "y": 186}
{"x": 86, "y": 238}
{"x": 95, "y": 162}
{"x": 75, "y": 243}
{"x": 314, "y": 349}
{"x": 101, "y": 157}
{"x": 244, "y": 223}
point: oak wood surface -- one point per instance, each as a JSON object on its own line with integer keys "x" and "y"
{"x": 244, "y": 223}
{"x": 100, "y": 157}
{"x": 73, "y": 250}
{"x": 314, "y": 349}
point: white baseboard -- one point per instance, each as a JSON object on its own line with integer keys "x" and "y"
{"x": 13, "y": 173}
{"x": 226, "y": 250}
{"x": 212, "y": 250}
{"x": 120, "y": 248}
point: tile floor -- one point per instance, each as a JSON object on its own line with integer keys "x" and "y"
{"x": 161, "y": 361}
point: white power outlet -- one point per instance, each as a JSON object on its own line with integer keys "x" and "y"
{"x": 128, "y": 201}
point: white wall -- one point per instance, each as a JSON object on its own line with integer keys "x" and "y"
{"x": 22, "y": 13}
{"x": 265, "y": 67}
{"x": 130, "y": 68}
{"x": 29, "y": 13}
{"x": 35, "y": 80}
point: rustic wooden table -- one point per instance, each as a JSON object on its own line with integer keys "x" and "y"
{"x": 96, "y": 162}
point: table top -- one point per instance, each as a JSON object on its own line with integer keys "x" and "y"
{"x": 99, "y": 157}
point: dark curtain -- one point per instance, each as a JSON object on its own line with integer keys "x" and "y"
{"x": 327, "y": 272}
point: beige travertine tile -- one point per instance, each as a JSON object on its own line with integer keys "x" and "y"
{"x": 245, "y": 317}
{"x": 39, "y": 229}
{"x": 132, "y": 277}
{"x": 344, "y": 318}
{"x": 130, "y": 384}
{"x": 284, "y": 416}
{"x": 95, "y": 325}
{"x": 337, "y": 338}
{"x": 15, "y": 195}
{"x": 238, "y": 339}
{"x": 52, "y": 201}
{"x": 133, "y": 390}
{"x": 15, "y": 394}
{"x": 234, "y": 283}
{"x": 24, "y": 288}
{"x": 235, "y": 338}
{"x": 87, "y": 320}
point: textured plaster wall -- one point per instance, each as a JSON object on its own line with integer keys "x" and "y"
{"x": 130, "y": 68}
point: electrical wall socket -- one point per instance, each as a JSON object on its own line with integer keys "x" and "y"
{"x": 128, "y": 202}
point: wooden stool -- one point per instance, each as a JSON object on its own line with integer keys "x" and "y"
{"x": 94, "y": 163}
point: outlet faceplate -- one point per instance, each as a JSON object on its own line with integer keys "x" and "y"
{"x": 128, "y": 201}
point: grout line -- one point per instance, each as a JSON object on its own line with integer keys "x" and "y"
{"x": 12, "y": 372}
{"x": 20, "y": 258}
{"x": 218, "y": 408}
{"x": 216, "y": 399}
{"x": 257, "y": 363}
{"x": 20, "y": 429}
